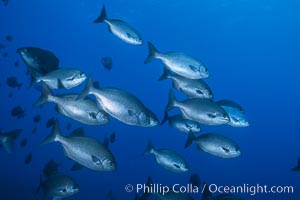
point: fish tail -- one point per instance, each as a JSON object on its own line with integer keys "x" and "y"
{"x": 9, "y": 139}
{"x": 88, "y": 88}
{"x": 55, "y": 134}
{"x": 150, "y": 148}
{"x": 190, "y": 139}
{"x": 152, "y": 53}
{"x": 165, "y": 75}
{"x": 166, "y": 117}
{"x": 102, "y": 16}
{"x": 45, "y": 95}
{"x": 172, "y": 101}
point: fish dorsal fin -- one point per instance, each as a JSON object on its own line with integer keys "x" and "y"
{"x": 95, "y": 160}
{"x": 79, "y": 132}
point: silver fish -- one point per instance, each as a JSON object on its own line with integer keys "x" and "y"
{"x": 168, "y": 159}
{"x": 182, "y": 124}
{"x": 40, "y": 60}
{"x": 83, "y": 150}
{"x": 7, "y": 139}
{"x": 215, "y": 144}
{"x": 194, "y": 88}
{"x": 122, "y": 105}
{"x": 62, "y": 78}
{"x": 203, "y": 111}
{"x": 235, "y": 113}
{"x": 58, "y": 186}
{"x": 178, "y": 63}
{"x": 120, "y": 29}
{"x": 83, "y": 110}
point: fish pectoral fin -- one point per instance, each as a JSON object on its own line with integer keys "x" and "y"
{"x": 211, "y": 116}
{"x": 176, "y": 165}
{"x": 226, "y": 150}
{"x": 95, "y": 160}
{"x": 195, "y": 69}
{"x": 60, "y": 84}
{"x": 199, "y": 91}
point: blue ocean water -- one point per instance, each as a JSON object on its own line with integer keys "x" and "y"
{"x": 251, "y": 49}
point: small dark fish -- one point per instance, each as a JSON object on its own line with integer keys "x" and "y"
{"x": 16, "y": 63}
{"x": 195, "y": 180}
{"x": 96, "y": 84}
{"x": 50, "y": 122}
{"x": 5, "y": 2}
{"x": 110, "y": 196}
{"x": 10, "y": 95}
{"x": 69, "y": 126}
{"x": 8, "y": 38}
{"x": 18, "y": 112}
{"x": 37, "y": 118}
{"x": 13, "y": 82}
{"x": 5, "y": 54}
{"x": 112, "y": 137}
{"x": 76, "y": 166}
{"x": 28, "y": 159}
{"x": 297, "y": 168}
{"x": 51, "y": 168}
{"x": 34, "y": 130}
{"x": 107, "y": 63}
{"x": 23, "y": 142}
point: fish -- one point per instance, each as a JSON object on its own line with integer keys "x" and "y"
{"x": 37, "y": 118}
{"x": 202, "y": 111}
{"x": 28, "y": 159}
{"x": 235, "y": 113}
{"x": 8, "y": 38}
{"x": 50, "y": 122}
{"x": 112, "y": 137}
{"x": 195, "y": 180}
{"x": 5, "y": 55}
{"x": 83, "y": 150}
{"x": 121, "y": 29}
{"x": 18, "y": 112}
{"x": 179, "y": 63}
{"x": 23, "y": 142}
{"x": 66, "y": 78}
{"x": 168, "y": 159}
{"x": 34, "y": 130}
{"x": 39, "y": 60}
{"x": 5, "y": 2}
{"x": 84, "y": 110}
{"x": 229, "y": 103}
{"x": 58, "y": 186}
{"x": 215, "y": 144}
{"x": 13, "y": 82}
{"x": 181, "y": 124}
{"x": 107, "y": 62}
{"x": 193, "y": 88}
{"x": 50, "y": 168}
{"x": 122, "y": 105}
{"x": 297, "y": 168}
{"x": 7, "y": 139}
{"x": 10, "y": 95}
{"x": 16, "y": 64}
